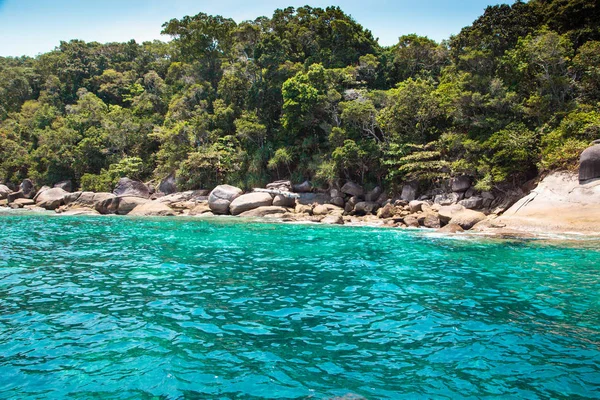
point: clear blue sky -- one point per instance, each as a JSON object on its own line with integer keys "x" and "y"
{"x": 30, "y": 27}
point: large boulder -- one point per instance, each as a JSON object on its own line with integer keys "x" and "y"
{"x": 374, "y": 194}
{"x": 67, "y": 186}
{"x": 152, "y": 208}
{"x": 51, "y": 199}
{"x": 303, "y": 187}
{"x": 460, "y": 183}
{"x": 447, "y": 199}
{"x": 200, "y": 208}
{"x": 128, "y": 203}
{"x": 4, "y": 191}
{"x": 313, "y": 198}
{"x": 589, "y": 164}
{"x": 130, "y": 188}
{"x": 429, "y": 220}
{"x": 221, "y": 197}
{"x": 195, "y": 196}
{"x": 27, "y": 188}
{"x": 467, "y": 218}
{"x": 327, "y": 209}
{"x": 250, "y": 201}
{"x": 387, "y": 211}
{"x": 168, "y": 185}
{"x": 42, "y": 190}
{"x": 264, "y": 211}
{"x": 472, "y": 203}
{"x": 11, "y": 197}
{"x": 409, "y": 192}
{"x": 284, "y": 201}
{"x": 353, "y": 189}
{"x": 447, "y": 212}
{"x": 365, "y": 207}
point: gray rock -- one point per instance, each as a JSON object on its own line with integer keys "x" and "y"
{"x": 589, "y": 164}
{"x": 327, "y": 209}
{"x": 130, "y": 188}
{"x": 470, "y": 192}
{"x": 365, "y": 207}
{"x": 303, "y": 187}
{"x": 282, "y": 185}
{"x": 313, "y": 198}
{"x": 67, "y": 186}
{"x": 416, "y": 206}
{"x": 409, "y": 192}
{"x": 335, "y": 193}
{"x": 168, "y": 185}
{"x": 51, "y": 199}
{"x": 460, "y": 183}
{"x": 221, "y": 197}
{"x": 152, "y": 208}
{"x": 374, "y": 194}
{"x": 4, "y": 191}
{"x": 250, "y": 201}
{"x": 23, "y": 202}
{"x": 180, "y": 197}
{"x": 451, "y": 228}
{"x": 352, "y": 201}
{"x": 42, "y": 190}
{"x": 338, "y": 201}
{"x": 353, "y": 189}
{"x": 128, "y": 203}
{"x": 27, "y": 188}
{"x": 472, "y": 203}
{"x": 447, "y": 199}
{"x": 201, "y": 208}
{"x": 429, "y": 220}
{"x": 11, "y": 197}
{"x": 283, "y": 201}
{"x": 447, "y": 212}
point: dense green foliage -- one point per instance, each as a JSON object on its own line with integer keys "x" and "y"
{"x": 309, "y": 93}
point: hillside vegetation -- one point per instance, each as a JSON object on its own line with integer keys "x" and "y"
{"x": 309, "y": 94}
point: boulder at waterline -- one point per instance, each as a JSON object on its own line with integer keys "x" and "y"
{"x": 386, "y": 211}
{"x": 4, "y": 191}
{"x": 88, "y": 200}
{"x": 128, "y": 203}
{"x": 42, "y": 189}
{"x": 333, "y": 220}
{"x": 23, "y": 202}
{"x": 51, "y": 199}
{"x": 353, "y": 189}
{"x": 250, "y": 201}
{"x": 200, "y": 208}
{"x": 589, "y": 164}
{"x": 179, "y": 197}
{"x": 152, "y": 209}
{"x": 327, "y": 209}
{"x": 451, "y": 228}
{"x": 11, "y": 197}
{"x": 284, "y": 201}
{"x": 429, "y": 220}
{"x": 129, "y": 187}
{"x": 264, "y": 211}
{"x": 467, "y": 218}
{"x": 221, "y": 197}
{"x": 447, "y": 212}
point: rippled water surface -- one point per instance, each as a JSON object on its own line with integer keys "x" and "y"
{"x": 109, "y": 307}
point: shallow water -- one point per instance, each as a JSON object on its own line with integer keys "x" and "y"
{"x": 113, "y": 307}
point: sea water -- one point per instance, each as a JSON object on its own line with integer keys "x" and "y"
{"x": 166, "y": 308}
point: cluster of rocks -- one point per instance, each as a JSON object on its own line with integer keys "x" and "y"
{"x": 453, "y": 211}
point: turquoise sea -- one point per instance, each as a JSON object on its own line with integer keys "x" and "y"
{"x": 124, "y": 308}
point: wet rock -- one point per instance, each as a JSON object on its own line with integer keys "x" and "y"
{"x": 130, "y": 188}
{"x": 467, "y": 218}
{"x": 333, "y": 220}
{"x": 353, "y": 189}
{"x": 250, "y": 201}
{"x": 451, "y": 228}
{"x": 152, "y": 209}
{"x": 221, "y": 197}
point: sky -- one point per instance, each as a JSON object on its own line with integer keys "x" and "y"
{"x": 31, "y": 27}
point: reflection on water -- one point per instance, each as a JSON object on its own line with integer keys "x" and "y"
{"x": 137, "y": 308}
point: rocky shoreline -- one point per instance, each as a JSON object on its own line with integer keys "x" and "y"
{"x": 459, "y": 210}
